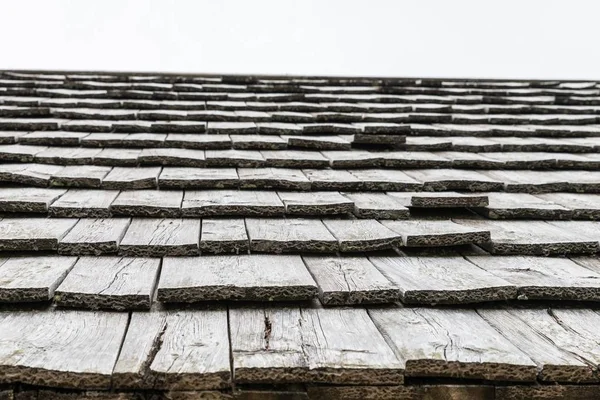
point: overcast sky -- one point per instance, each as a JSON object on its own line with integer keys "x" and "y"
{"x": 459, "y": 38}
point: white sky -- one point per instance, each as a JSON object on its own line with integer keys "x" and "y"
{"x": 428, "y": 38}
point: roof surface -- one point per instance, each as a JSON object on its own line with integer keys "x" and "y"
{"x": 173, "y": 237}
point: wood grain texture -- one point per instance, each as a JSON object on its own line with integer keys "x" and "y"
{"x": 442, "y": 280}
{"x": 94, "y": 236}
{"x": 267, "y": 344}
{"x": 131, "y": 178}
{"x": 362, "y": 234}
{"x": 238, "y": 277}
{"x": 175, "y": 350}
{"x": 555, "y": 364}
{"x": 451, "y": 343}
{"x": 82, "y": 203}
{"x": 531, "y": 238}
{"x": 315, "y": 203}
{"x": 148, "y": 203}
{"x": 245, "y": 203}
{"x": 224, "y": 236}
{"x": 285, "y": 235}
{"x": 32, "y": 279}
{"x": 115, "y": 283}
{"x": 33, "y": 234}
{"x": 67, "y": 349}
{"x": 273, "y": 345}
{"x": 430, "y": 233}
{"x": 350, "y": 280}
{"x": 155, "y": 237}
{"x": 548, "y": 278}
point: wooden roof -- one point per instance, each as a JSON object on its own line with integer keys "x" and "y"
{"x": 177, "y": 236}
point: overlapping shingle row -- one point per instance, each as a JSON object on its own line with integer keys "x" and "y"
{"x": 440, "y": 237}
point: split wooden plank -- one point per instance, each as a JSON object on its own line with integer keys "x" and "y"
{"x": 159, "y": 237}
{"x": 115, "y": 283}
{"x": 377, "y": 205}
{"x": 454, "y": 179}
{"x": 441, "y": 199}
{"x": 224, "y": 236}
{"x": 285, "y": 235}
{"x": 443, "y": 280}
{"x": 582, "y": 206}
{"x": 175, "y": 350}
{"x": 82, "y": 203}
{"x": 244, "y": 203}
{"x": 67, "y": 349}
{"x": 309, "y": 347}
{"x": 447, "y": 343}
{"x": 432, "y": 233}
{"x": 315, "y": 203}
{"x": 238, "y": 277}
{"x": 267, "y": 345}
{"x": 522, "y": 206}
{"x": 33, "y": 234}
{"x": 362, "y": 235}
{"x": 87, "y": 176}
{"x": 531, "y": 238}
{"x": 172, "y": 156}
{"x": 202, "y": 178}
{"x": 132, "y": 178}
{"x": 32, "y": 279}
{"x": 148, "y": 203}
{"x": 522, "y": 328}
{"x": 547, "y": 278}
{"x": 94, "y": 236}
{"x": 350, "y": 280}
{"x": 385, "y": 180}
{"x": 28, "y": 200}
{"x": 273, "y": 178}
